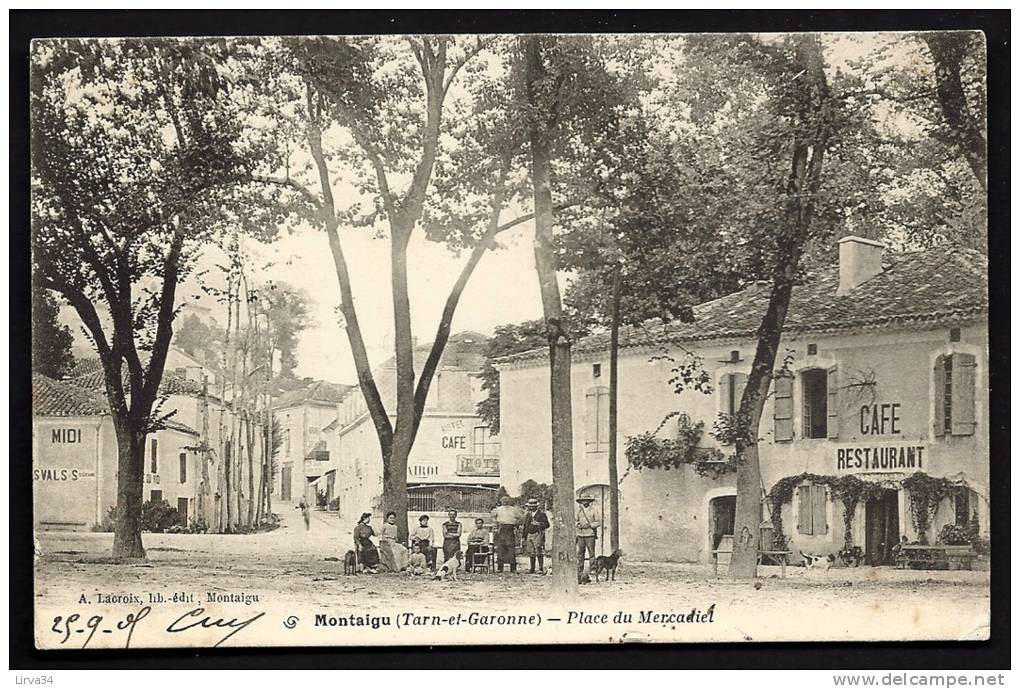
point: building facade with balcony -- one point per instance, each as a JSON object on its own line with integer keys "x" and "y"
{"x": 886, "y": 379}
{"x": 454, "y": 460}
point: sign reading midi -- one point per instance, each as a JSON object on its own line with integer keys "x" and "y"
{"x": 873, "y": 458}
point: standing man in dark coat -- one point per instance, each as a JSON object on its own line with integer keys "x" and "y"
{"x": 535, "y": 524}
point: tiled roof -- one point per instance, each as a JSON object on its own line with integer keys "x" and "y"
{"x": 56, "y": 398}
{"x": 464, "y": 351}
{"x": 173, "y": 383}
{"x": 317, "y": 391}
{"x": 924, "y": 288}
{"x": 83, "y": 367}
{"x": 180, "y": 427}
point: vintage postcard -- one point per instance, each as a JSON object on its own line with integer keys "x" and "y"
{"x": 509, "y": 339}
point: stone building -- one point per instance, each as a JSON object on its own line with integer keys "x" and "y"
{"x": 886, "y": 379}
{"x": 302, "y": 413}
{"x": 454, "y": 455}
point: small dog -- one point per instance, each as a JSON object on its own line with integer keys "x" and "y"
{"x": 350, "y": 563}
{"x": 448, "y": 570}
{"x": 583, "y": 578}
{"x": 853, "y": 555}
{"x": 607, "y": 564}
{"x": 822, "y": 562}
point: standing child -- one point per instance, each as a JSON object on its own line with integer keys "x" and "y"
{"x": 451, "y": 536}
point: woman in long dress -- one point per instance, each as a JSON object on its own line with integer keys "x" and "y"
{"x": 392, "y": 554}
{"x": 368, "y": 555}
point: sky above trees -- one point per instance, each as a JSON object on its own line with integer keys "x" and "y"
{"x": 504, "y": 289}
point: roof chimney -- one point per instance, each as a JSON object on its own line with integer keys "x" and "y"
{"x": 859, "y": 260}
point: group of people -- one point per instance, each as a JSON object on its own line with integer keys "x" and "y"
{"x": 511, "y": 528}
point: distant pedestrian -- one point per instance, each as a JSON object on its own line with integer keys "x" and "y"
{"x": 452, "y": 531}
{"x": 535, "y": 524}
{"x": 306, "y": 513}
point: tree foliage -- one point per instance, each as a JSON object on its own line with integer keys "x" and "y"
{"x": 51, "y": 340}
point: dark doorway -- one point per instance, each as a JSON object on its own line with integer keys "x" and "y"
{"x": 285, "y": 483}
{"x": 881, "y": 527}
{"x": 723, "y": 512}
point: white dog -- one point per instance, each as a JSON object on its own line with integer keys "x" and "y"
{"x": 823, "y": 562}
{"x": 448, "y": 570}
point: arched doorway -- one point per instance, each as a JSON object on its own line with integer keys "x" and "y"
{"x": 599, "y": 492}
{"x": 722, "y": 513}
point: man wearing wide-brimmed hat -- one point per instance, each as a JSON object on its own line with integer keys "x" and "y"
{"x": 535, "y": 524}
{"x": 587, "y": 532}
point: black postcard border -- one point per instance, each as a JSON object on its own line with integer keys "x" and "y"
{"x": 992, "y": 654}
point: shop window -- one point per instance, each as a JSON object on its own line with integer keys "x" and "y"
{"x": 811, "y": 519}
{"x": 153, "y": 455}
{"x": 815, "y": 398}
{"x": 954, "y": 394}
{"x": 184, "y": 467}
{"x": 483, "y": 444}
{"x": 596, "y": 419}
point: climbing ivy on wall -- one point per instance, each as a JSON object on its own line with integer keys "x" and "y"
{"x": 926, "y": 492}
{"x": 648, "y": 451}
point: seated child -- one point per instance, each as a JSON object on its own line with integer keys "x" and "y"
{"x": 448, "y": 570}
{"x": 417, "y": 564}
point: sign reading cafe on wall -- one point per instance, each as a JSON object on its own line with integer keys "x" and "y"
{"x": 880, "y": 458}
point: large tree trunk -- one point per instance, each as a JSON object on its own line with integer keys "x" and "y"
{"x": 614, "y": 391}
{"x": 127, "y": 533}
{"x": 565, "y": 572}
{"x": 808, "y": 152}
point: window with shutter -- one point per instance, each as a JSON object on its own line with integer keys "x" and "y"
{"x": 783, "y": 408}
{"x": 602, "y": 437}
{"x": 962, "y": 387}
{"x": 819, "y": 523}
{"x": 814, "y": 403}
{"x": 832, "y": 388}
{"x": 938, "y": 392}
{"x": 153, "y": 460}
{"x": 804, "y": 510}
{"x": 184, "y": 467}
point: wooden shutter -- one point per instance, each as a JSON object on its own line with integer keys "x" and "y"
{"x": 962, "y": 408}
{"x": 783, "y": 410}
{"x": 819, "y": 524}
{"x": 739, "y": 383}
{"x": 590, "y": 419}
{"x": 939, "y": 422}
{"x": 832, "y": 402}
{"x": 804, "y": 509}
{"x": 603, "y": 419}
{"x": 725, "y": 392}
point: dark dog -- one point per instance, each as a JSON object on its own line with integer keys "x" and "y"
{"x": 853, "y": 555}
{"x": 350, "y": 563}
{"x": 583, "y": 578}
{"x": 607, "y": 564}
